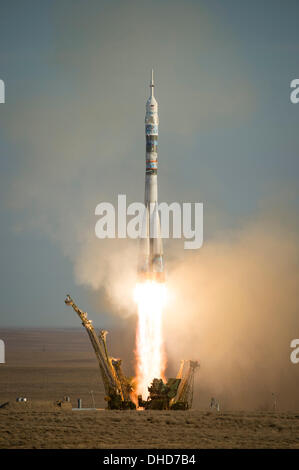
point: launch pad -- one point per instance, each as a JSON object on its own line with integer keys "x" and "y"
{"x": 175, "y": 394}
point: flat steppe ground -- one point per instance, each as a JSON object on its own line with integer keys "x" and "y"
{"x": 46, "y": 365}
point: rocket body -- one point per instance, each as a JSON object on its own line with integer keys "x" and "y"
{"x": 151, "y": 266}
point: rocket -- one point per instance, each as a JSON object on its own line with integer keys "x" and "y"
{"x": 151, "y": 265}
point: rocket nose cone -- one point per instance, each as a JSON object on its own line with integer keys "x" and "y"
{"x": 152, "y": 100}
{"x": 152, "y": 104}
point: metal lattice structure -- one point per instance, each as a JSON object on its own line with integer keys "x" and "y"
{"x": 117, "y": 386}
{"x": 184, "y": 396}
{"x": 175, "y": 394}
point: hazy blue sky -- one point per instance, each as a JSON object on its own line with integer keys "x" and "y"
{"x": 72, "y": 130}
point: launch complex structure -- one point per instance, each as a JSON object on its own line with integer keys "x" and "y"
{"x": 176, "y": 393}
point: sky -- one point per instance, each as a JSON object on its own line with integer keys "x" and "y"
{"x": 72, "y": 135}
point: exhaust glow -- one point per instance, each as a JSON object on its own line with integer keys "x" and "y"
{"x": 150, "y": 297}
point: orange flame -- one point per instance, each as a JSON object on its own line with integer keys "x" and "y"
{"x": 150, "y": 298}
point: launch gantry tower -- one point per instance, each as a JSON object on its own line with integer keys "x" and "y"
{"x": 118, "y": 387}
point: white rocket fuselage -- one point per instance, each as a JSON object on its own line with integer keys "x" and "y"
{"x": 151, "y": 266}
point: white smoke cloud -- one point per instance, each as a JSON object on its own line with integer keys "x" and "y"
{"x": 234, "y": 308}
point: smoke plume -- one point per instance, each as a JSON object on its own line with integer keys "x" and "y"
{"x": 234, "y": 308}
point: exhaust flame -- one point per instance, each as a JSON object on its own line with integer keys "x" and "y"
{"x": 150, "y": 298}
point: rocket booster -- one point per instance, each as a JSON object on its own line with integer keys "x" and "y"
{"x": 151, "y": 266}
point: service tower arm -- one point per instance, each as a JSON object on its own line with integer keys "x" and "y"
{"x": 111, "y": 387}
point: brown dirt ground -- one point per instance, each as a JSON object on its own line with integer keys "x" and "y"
{"x": 46, "y": 365}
